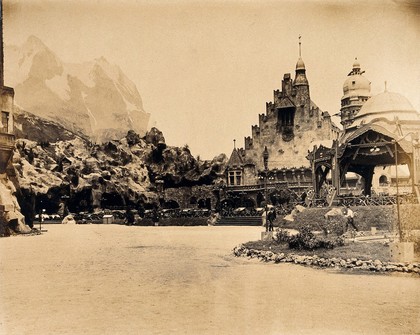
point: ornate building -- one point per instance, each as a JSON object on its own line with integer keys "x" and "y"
{"x": 291, "y": 124}
{"x": 381, "y": 133}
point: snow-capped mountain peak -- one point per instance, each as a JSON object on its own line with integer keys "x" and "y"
{"x": 94, "y": 97}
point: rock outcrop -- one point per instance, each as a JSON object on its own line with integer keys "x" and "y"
{"x": 73, "y": 171}
{"x": 12, "y": 218}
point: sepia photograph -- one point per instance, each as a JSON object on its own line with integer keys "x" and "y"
{"x": 209, "y": 167}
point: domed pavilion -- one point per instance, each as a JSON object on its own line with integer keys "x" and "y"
{"x": 379, "y": 131}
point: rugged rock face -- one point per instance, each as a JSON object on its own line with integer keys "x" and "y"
{"x": 13, "y": 217}
{"x": 86, "y": 176}
{"x": 95, "y": 98}
{"x": 29, "y": 126}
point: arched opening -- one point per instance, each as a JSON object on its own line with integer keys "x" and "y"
{"x": 279, "y": 197}
{"x": 193, "y": 200}
{"x": 112, "y": 200}
{"x": 201, "y": 203}
{"x": 248, "y": 202}
{"x": 170, "y": 204}
{"x": 383, "y": 180}
{"x": 260, "y": 199}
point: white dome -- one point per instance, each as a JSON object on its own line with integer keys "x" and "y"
{"x": 387, "y": 102}
{"x": 388, "y": 106}
{"x": 356, "y": 86}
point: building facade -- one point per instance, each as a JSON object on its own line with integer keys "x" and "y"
{"x": 380, "y": 143}
{"x": 290, "y": 126}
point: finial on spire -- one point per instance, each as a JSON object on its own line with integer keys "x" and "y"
{"x": 386, "y": 90}
{"x": 234, "y": 144}
{"x": 300, "y": 46}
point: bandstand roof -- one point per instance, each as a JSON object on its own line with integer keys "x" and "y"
{"x": 349, "y": 137}
{"x": 373, "y": 145}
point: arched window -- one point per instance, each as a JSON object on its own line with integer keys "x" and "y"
{"x": 383, "y": 180}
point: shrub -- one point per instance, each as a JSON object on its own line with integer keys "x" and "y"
{"x": 329, "y": 243}
{"x": 306, "y": 240}
{"x": 281, "y": 236}
{"x": 334, "y": 226}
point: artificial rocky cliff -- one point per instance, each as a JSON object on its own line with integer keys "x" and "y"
{"x": 55, "y": 167}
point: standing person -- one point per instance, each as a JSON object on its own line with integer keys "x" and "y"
{"x": 349, "y": 215}
{"x": 129, "y": 216}
{"x": 155, "y": 217}
{"x": 264, "y": 218}
{"x": 213, "y": 219}
{"x": 271, "y": 216}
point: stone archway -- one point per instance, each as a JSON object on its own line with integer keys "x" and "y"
{"x": 260, "y": 199}
{"x": 248, "y": 202}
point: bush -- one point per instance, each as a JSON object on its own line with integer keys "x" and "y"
{"x": 328, "y": 243}
{"x": 281, "y": 236}
{"x": 306, "y": 240}
{"x": 334, "y": 226}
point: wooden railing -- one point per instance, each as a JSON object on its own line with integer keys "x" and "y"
{"x": 270, "y": 186}
{"x": 7, "y": 140}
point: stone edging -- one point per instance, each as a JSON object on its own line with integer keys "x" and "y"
{"x": 316, "y": 261}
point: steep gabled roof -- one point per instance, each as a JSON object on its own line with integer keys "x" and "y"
{"x": 235, "y": 159}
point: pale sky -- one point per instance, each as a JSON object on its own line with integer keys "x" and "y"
{"x": 205, "y": 69}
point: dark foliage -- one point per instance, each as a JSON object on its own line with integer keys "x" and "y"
{"x": 306, "y": 240}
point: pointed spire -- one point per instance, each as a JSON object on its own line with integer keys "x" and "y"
{"x": 300, "y": 46}
{"x": 234, "y": 144}
{"x": 235, "y": 159}
{"x": 300, "y": 65}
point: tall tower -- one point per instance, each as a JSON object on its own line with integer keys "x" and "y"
{"x": 301, "y": 84}
{"x": 356, "y": 91}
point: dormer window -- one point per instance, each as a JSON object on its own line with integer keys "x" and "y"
{"x": 235, "y": 178}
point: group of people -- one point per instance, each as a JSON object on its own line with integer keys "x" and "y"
{"x": 131, "y": 217}
{"x": 269, "y": 216}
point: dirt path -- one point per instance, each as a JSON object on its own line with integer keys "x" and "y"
{"x": 110, "y": 279}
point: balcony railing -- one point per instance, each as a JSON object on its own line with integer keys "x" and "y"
{"x": 7, "y": 141}
{"x": 280, "y": 184}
